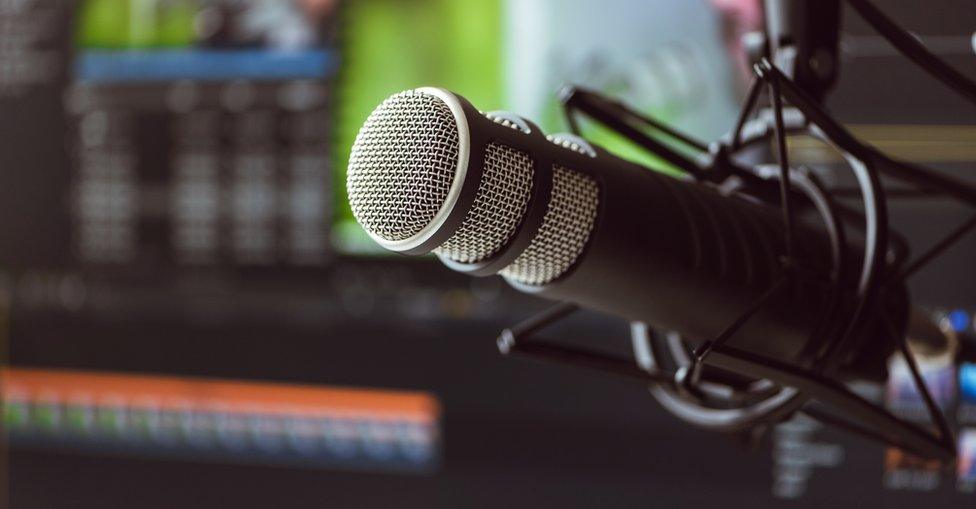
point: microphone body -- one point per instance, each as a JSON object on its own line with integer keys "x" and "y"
{"x": 682, "y": 257}
{"x": 565, "y": 220}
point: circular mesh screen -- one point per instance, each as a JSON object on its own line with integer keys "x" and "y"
{"x": 402, "y": 164}
{"x": 565, "y": 229}
{"x": 498, "y": 208}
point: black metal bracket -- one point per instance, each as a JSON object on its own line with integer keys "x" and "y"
{"x": 520, "y": 339}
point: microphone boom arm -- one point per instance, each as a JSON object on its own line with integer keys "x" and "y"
{"x": 799, "y": 387}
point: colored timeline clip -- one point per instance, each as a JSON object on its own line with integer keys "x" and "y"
{"x": 361, "y": 429}
{"x": 966, "y": 465}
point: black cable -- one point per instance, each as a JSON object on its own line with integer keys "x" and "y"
{"x": 601, "y": 114}
{"x": 658, "y": 126}
{"x": 927, "y": 179}
{"x": 937, "y": 249}
{"x": 747, "y": 107}
{"x": 934, "y": 412}
{"x": 619, "y": 118}
{"x": 909, "y": 46}
{"x": 706, "y": 348}
{"x": 784, "y": 164}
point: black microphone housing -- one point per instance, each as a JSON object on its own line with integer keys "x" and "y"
{"x": 673, "y": 253}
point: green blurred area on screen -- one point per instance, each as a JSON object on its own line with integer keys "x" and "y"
{"x": 387, "y": 46}
{"x": 135, "y": 24}
{"x": 394, "y": 45}
{"x": 622, "y": 147}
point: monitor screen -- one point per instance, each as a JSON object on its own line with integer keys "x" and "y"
{"x": 190, "y": 314}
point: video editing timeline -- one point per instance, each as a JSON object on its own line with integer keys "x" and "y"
{"x": 201, "y": 133}
{"x": 259, "y": 423}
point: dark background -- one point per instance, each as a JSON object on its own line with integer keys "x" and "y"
{"x": 515, "y": 433}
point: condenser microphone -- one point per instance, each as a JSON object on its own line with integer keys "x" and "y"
{"x": 563, "y": 219}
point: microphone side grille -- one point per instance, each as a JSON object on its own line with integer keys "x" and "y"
{"x": 565, "y": 229}
{"x": 402, "y": 165}
{"x": 498, "y": 208}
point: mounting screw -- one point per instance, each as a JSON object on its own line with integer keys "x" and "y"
{"x": 683, "y": 383}
{"x": 505, "y": 341}
{"x": 821, "y": 62}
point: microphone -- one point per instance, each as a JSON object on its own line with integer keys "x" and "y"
{"x": 563, "y": 219}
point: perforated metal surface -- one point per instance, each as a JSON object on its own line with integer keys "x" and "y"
{"x": 509, "y": 120}
{"x": 498, "y": 208}
{"x": 402, "y": 164}
{"x": 565, "y": 229}
{"x": 401, "y": 170}
{"x": 572, "y": 142}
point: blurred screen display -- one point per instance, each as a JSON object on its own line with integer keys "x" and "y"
{"x": 223, "y": 420}
{"x": 967, "y": 460}
{"x": 190, "y": 307}
{"x": 202, "y": 132}
{"x": 139, "y": 41}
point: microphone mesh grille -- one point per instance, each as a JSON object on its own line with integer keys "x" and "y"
{"x": 565, "y": 229}
{"x": 402, "y": 164}
{"x": 499, "y": 205}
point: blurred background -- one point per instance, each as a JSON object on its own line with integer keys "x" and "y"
{"x": 190, "y": 316}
